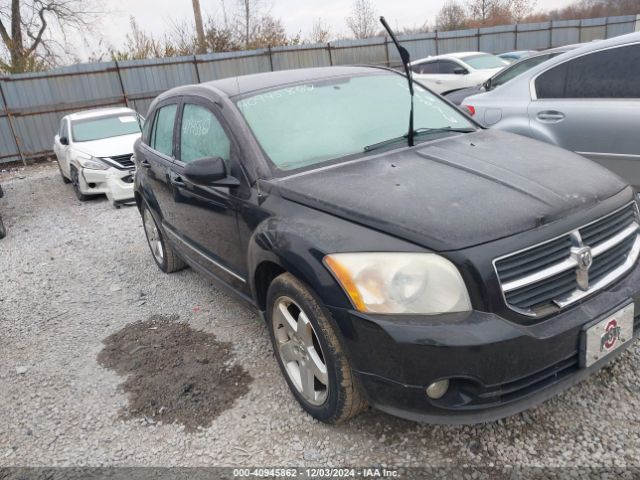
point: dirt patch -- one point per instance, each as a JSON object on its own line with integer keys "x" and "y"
{"x": 174, "y": 373}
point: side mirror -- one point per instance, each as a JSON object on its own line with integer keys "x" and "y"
{"x": 460, "y": 71}
{"x": 64, "y": 141}
{"x": 211, "y": 172}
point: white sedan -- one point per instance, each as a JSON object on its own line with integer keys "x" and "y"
{"x": 94, "y": 150}
{"x": 453, "y": 71}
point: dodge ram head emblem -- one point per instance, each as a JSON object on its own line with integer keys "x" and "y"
{"x": 584, "y": 259}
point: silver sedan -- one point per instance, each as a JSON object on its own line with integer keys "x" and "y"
{"x": 586, "y": 100}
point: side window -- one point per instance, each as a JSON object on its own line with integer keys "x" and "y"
{"x": 551, "y": 83}
{"x": 426, "y": 67}
{"x": 448, "y": 67}
{"x": 611, "y": 73}
{"x": 202, "y": 135}
{"x": 146, "y": 129}
{"x": 162, "y": 136}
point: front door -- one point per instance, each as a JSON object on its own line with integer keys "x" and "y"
{"x": 155, "y": 155}
{"x": 205, "y": 217}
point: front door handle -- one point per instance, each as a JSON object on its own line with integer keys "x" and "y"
{"x": 550, "y": 116}
{"x": 177, "y": 181}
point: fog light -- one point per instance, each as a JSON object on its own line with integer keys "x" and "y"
{"x": 437, "y": 389}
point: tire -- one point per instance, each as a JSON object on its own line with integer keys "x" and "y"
{"x": 76, "y": 185}
{"x": 3, "y": 231}
{"x": 64, "y": 179}
{"x": 341, "y": 398}
{"x": 163, "y": 254}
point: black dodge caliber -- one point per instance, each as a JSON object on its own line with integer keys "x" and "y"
{"x": 458, "y": 280}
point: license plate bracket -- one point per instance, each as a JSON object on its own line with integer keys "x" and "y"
{"x": 605, "y": 335}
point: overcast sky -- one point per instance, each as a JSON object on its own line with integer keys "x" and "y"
{"x": 297, "y": 15}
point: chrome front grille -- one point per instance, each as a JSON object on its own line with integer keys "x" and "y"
{"x": 121, "y": 162}
{"x": 554, "y": 274}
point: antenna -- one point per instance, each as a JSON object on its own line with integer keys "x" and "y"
{"x": 406, "y": 59}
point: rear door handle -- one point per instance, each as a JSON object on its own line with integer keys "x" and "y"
{"x": 550, "y": 116}
{"x": 145, "y": 163}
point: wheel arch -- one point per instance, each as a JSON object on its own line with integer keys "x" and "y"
{"x": 270, "y": 255}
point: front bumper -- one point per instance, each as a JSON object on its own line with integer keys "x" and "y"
{"x": 496, "y": 367}
{"x": 116, "y": 184}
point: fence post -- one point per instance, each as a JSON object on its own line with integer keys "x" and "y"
{"x": 329, "y": 52}
{"x": 437, "y": 48}
{"x": 606, "y": 28}
{"x": 124, "y": 93}
{"x": 386, "y": 50}
{"x": 11, "y": 127}
{"x": 478, "y": 39}
{"x": 515, "y": 40}
{"x": 270, "y": 57}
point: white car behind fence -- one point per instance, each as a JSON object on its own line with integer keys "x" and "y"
{"x": 453, "y": 71}
{"x": 94, "y": 150}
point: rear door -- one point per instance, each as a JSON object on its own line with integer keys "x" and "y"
{"x": 205, "y": 217}
{"x": 591, "y": 105}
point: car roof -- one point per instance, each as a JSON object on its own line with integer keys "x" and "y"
{"x": 99, "y": 112}
{"x": 241, "y": 85}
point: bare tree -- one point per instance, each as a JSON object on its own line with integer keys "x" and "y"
{"x": 219, "y": 38}
{"x": 27, "y": 30}
{"x": 247, "y": 19}
{"x": 362, "y": 22}
{"x": 270, "y": 32}
{"x": 482, "y": 10}
{"x": 320, "y": 32}
{"x": 519, "y": 9}
{"x": 452, "y": 16}
{"x": 140, "y": 45}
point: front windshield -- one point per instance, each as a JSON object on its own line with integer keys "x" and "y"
{"x": 303, "y": 125}
{"x": 485, "y": 61}
{"x": 104, "y": 127}
{"x": 518, "y": 68}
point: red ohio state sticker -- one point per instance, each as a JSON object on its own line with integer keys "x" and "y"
{"x": 611, "y": 336}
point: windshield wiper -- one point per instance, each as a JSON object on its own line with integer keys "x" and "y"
{"x": 419, "y": 131}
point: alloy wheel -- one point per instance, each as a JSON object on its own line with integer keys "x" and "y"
{"x": 153, "y": 236}
{"x": 299, "y": 350}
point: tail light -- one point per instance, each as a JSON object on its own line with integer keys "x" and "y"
{"x": 470, "y": 110}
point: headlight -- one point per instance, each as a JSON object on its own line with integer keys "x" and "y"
{"x": 422, "y": 283}
{"x": 92, "y": 163}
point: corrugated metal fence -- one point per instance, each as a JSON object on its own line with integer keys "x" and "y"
{"x": 31, "y": 105}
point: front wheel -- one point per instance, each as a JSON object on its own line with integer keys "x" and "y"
{"x": 75, "y": 179}
{"x": 310, "y": 354}
{"x": 163, "y": 254}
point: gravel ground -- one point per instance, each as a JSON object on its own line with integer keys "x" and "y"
{"x": 76, "y": 273}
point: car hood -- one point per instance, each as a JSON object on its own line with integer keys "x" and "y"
{"x": 458, "y": 191}
{"x": 108, "y": 147}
